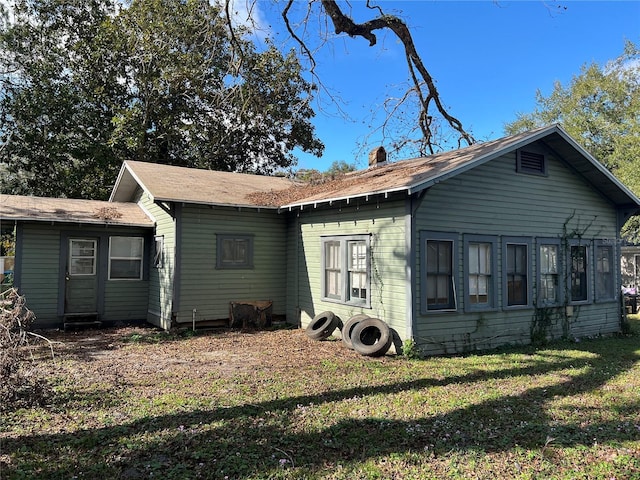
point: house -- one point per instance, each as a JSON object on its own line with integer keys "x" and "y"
{"x": 504, "y": 242}
{"x": 80, "y": 260}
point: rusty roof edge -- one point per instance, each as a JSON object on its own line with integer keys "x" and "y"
{"x": 79, "y": 221}
{"x": 291, "y": 206}
{"x": 215, "y": 204}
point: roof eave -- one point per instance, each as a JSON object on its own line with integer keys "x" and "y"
{"x": 53, "y": 220}
{"x": 214, "y": 204}
{"x": 347, "y": 198}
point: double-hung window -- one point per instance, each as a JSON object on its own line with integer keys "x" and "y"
{"x": 549, "y": 275}
{"x": 605, "y": 271}
{"x": 125, "y": 258}
{"x": 346, "y": 265}
{"x": 516, "y": 265}
{"x": 439, "y": 266}
{"x": 578, "y": 272}
{"x": 480, "y": 272}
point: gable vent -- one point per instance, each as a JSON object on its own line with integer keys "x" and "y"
{"x": 530, "y": 162}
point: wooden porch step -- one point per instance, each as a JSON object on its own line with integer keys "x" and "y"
{"x": 76, "y": 320}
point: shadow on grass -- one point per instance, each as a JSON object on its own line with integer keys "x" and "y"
{"x": 256, "y": 439}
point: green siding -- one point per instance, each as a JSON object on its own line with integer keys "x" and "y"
{"x": 495, "y": 200}
{"x": 385, "y": 221}
{"x": 40, "y": 271}
{"x": 208, "y": 289}
{"x": 160, "y": 302}
{"x": 125, "y": 300}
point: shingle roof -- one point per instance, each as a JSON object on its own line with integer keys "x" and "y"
{"x": 25, "y": 208}
{"x": 190, "y": 185}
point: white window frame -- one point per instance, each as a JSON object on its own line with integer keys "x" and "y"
{"x": 342, "y": 269}
{"x": 158, "y": 251}
{"x": 138, "y": 258}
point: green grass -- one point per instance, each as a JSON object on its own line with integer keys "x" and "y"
{"x": 565, "y": 411}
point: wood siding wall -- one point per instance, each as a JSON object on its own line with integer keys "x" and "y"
{"x": 208, "y": 289}
{"x": 160, "y": 302}
{"x": 385, "y": 222}
{"x": 495, "y": 200}
{"x": 39, "y": 276}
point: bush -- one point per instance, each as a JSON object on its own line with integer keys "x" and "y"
{"x": 20, "y": 381}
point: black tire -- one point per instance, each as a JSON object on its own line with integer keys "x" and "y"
{"x": 322, "y": 326}
{"x": 371, "y": 337}
{"x": 347, "y": 328}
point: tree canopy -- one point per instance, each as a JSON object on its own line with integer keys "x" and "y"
{"x": 600, "y": 108}
{"x": 88, "y": 84}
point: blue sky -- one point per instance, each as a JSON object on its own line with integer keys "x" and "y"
{"x": 487, "y": 57}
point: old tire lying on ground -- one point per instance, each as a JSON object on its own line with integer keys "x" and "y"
{"x": 347, "y": 328}
{"x": 371, "y": 337}
{"x": 322, "y": 326}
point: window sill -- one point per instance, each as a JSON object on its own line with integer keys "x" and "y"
{"x": 480, "y": 309}
{"x": 510, "y": 308}
{"x": 350, "y": 304}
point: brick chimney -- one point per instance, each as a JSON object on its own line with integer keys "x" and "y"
{"x": 377, "y": 156}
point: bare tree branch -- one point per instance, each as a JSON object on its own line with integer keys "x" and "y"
{"x": 344, "y": 24}
{"x": 303, "y": 45}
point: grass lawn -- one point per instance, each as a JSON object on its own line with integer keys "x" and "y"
{"x": 136, "y": 403}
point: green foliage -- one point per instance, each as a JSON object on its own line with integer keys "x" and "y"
{"x": 410, "y": 350}
{"x": 7, "y": 245}
{"x": 90, "y": 84}
{"x": 600, "y": 108}
{"x": 339, "y": 167}
{"x": 231, "y": 405}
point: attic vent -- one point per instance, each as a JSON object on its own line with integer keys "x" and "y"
{"x": 377, "y": 156}
{"x": 530, "y": 162}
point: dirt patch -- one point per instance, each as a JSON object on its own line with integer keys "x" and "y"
{"x": 132, "y": 352}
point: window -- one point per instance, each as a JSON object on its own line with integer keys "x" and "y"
{"x": 82, "y": 257}
{"x": 530, "y": 162}
{"x": 125, "y": 258}
{"x": 480, "y": 268}
{"x": 516, "y": 267}
{"x": 549, "y": 292}
{"x": 332, "y": 270}
{"x": 234, "y": 251}
{"x": 346, "y": 266}
{"x": 439, "y": 261}
{"x": 605, "y": 272}
{"x": 357, "y": 269}
{"x": 578, "y": 273}
{"x": 158, "y": 247}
